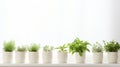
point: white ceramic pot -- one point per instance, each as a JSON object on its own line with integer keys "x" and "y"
{"x": 62, "y": 57}
{"x": 97, "y": 57}
{"x": 20, "y": 57}
{"x": 33, "y": 57}
{"x": 80, "y": 59}
{"x": 7, "y": 57}
{"x": 47, "y": 56}
{"x": 119, "y": 56}
{"x": 112, "y": 57}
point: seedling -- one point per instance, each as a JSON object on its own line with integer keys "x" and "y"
{"x": 97, "y": 47}
{"x": 78, "y": 46}
{"x": 33, "y": 47}
{"x": 48, "y": 48}
{"x": 62, "y": 48}
{"x": 111, "y": 46}
{"x": 9, "y": 46}
{"x": 21, "y": 48}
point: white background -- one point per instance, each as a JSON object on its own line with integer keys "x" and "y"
{"x": 55, "y": 22}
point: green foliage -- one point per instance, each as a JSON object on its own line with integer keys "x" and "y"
{"x": 62, "y": 48}
{"x": 97, "y": 47}
{"x": 9, "y": 46}
{"x": 33, "y": 47}
{"x": 48, "y": 48}
{"x": 111, "y": 46}
{"x": 78, "y": 46}
{"x": 21, "y": 48}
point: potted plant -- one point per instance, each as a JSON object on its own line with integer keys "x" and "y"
{"x": 47, "y": 54}
{"x": 62, "y": 54}
{"x": 33, "y": 53}
{"x": 79, "y": 47}
{"x": 20, "y": 54}
{"x": 97, "y": 50}
{"x": 8, "y": 48}
{"x": 112, "y": 48}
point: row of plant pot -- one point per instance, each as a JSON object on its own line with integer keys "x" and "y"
{"x": 62, "y": 57}
{"x": 33, "y": 57}
{"x": 77, "y": 47}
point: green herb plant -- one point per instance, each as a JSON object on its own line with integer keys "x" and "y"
{"x": 62, "y": 48}
{"x": 9, "y": 46}
{"x": 78, "y": 46}
{"x": 48, "y": 48}
{"x": 97, "y": 47}
{"x": 33, "y": 47}
{"x": 111, "y": 46}
{"x": 21, "y": 48}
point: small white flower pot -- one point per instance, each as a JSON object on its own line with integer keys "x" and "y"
{"x": 112, "y": 57}
{"x": 80, "y": 59}
{"x": 47, "y": 56}
{"x": 33, "y": 57}
{"x": 7, "y": 57}
{"x": 97, "y": 57}
{"x": 62, "y": 57}
{"x": 119, "y": 56}
{"x": 20, "y": 57}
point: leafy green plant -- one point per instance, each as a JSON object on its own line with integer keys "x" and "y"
{"x": 97, "y": 47}
{"x": 78, "y": 46}
{"x": 62, "y": 48}
{"x": 21, "y": 48}
{"x": 33, "y": 47}
{"x": 111, "y": 46}
{"x": 48, "y": 48}
{"x": 9, "y": 46}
